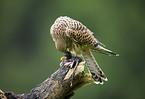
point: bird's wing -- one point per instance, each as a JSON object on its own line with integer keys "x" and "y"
{"x": 81, "y": 34}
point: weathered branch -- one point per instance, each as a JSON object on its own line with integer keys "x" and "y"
{"x": 60, "y": 85}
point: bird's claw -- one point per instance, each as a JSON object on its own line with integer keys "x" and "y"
{"x": 75, "y": 61}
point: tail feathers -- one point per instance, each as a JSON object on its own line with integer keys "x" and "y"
{"x": 95, "y": 70}
{"x": 105, "y": 51}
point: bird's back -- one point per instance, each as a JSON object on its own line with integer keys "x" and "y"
{"x": 78, "y": 32}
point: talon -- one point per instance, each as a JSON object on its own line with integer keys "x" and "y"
{"x": 63, "y": 58}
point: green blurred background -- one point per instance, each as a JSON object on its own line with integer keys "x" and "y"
{"x": 28, "y": 54}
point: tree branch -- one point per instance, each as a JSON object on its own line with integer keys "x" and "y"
{"x": 60, "y": 85}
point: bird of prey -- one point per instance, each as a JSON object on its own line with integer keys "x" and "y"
{"x": 71, "y": 35}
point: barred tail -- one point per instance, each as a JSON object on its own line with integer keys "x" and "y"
{"x": 95, "y": 70}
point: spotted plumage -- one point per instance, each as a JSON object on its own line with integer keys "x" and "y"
{"x": 71, "y": 35}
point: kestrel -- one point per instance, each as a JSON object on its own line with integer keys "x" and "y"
{"x": 72, "y": 36}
